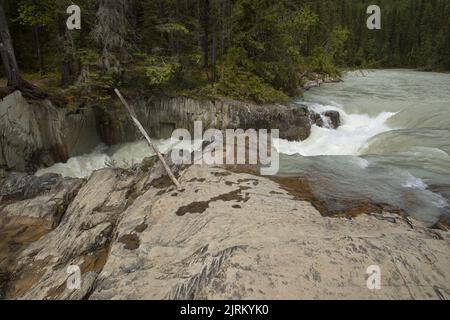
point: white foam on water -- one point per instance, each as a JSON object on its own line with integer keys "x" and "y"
{"x": 362, "y": 163}
{"x": 354, "y": 133}
{"x": 414, "y": 183}
{"x": 432, "y": 152}
{"x": 439, "y": 201}
{"x": 81, "y": 166}
{"x": 122, "y": 156}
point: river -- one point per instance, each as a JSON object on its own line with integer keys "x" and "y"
{"x": 392, "y": 148}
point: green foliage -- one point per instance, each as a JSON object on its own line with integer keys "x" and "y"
{"x": 322, "y": 62}
{"x": 323, "y": 59}
{"x": 31, "y": 13}
{"x": 159, "y": 72}
{"x": 258, "y": 50}
{"x": 172, "y": 28}
{"x": 246, "y": 86}
{"x": 414, "y": 34}
{"x": 270, "y": 48}
{"x": 236, "y": 82}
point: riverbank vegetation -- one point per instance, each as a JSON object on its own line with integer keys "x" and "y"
{"x": 256, "y": 50}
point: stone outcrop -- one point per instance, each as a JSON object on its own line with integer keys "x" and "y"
{"x": 30, "y": 207}
{"x": 329, "y": 119}
{"x": 35, "y": 133}
{"x": 41, "y": 199}
{"x": 334, "y": 118}
{"x": 444, "y": 223}
{"x": 161, "y": 116}
{"x": 316, "y": 80}
{"x": 82, "y": 238}
{"x": 224, "y": 236}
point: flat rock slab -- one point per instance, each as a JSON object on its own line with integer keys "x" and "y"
{"x": 238, "y": 236}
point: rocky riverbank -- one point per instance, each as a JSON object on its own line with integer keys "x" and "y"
{"x": 226, "y": 235}
{"x": 35, "y": 133}
{"x": 316, "y": 80}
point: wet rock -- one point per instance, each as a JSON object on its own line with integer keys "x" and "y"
{"x": 36, "y": 133}
{"x": 131, "y": 241}
{"x": 444, "y": 223}
{"x": 334, "y": 118}
{"x": 317, "y": 119}
{"x": 329, "y": 119}
{"x": 81, "y": 239}
{"x": 22, "y": 186}
{"x": 30, "y": 208}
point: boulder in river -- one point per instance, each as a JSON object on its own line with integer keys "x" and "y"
{"x": 334, "y": 118}
{"x": 330, "y": 119}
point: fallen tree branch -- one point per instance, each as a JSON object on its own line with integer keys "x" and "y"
{"x": 145, "y": 134}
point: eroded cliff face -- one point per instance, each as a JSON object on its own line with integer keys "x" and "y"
{"x": 37, "y": 134}
{"x": 226, "y": 235}
{"x": 161, "y": 116}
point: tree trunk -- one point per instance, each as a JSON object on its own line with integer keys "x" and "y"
{"x": 7, "y": 53}
{"x": 66, "y": 73}
{"x": 38, "y": 50}
{"x": 10, "y": 65}
{"x": 205, "y": 26}
{"x": 37, "y": 42}
{"x": 214, "y": 56}
{"x": 113, "y": 32}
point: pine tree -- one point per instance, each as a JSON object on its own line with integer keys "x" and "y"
{"x": 7, "y": 53}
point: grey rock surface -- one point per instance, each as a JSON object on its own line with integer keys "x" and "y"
{"x": 334, "y": 118}
{"x": 81, "y": 239}
{"x": 35, "y": 133}
{"x": 237, "y": 236}
{"x": 43, "y": 200}
{"x": 225, "y": 236}
{"x": 161, "y": 116}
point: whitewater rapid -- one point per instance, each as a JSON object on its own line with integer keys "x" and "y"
{"x": 120, "y": 156}
{"x": 392, "y": 148}
{"x": 349, "y": 139}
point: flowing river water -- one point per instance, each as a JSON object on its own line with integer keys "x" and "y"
{"x": 393, "y": 147}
